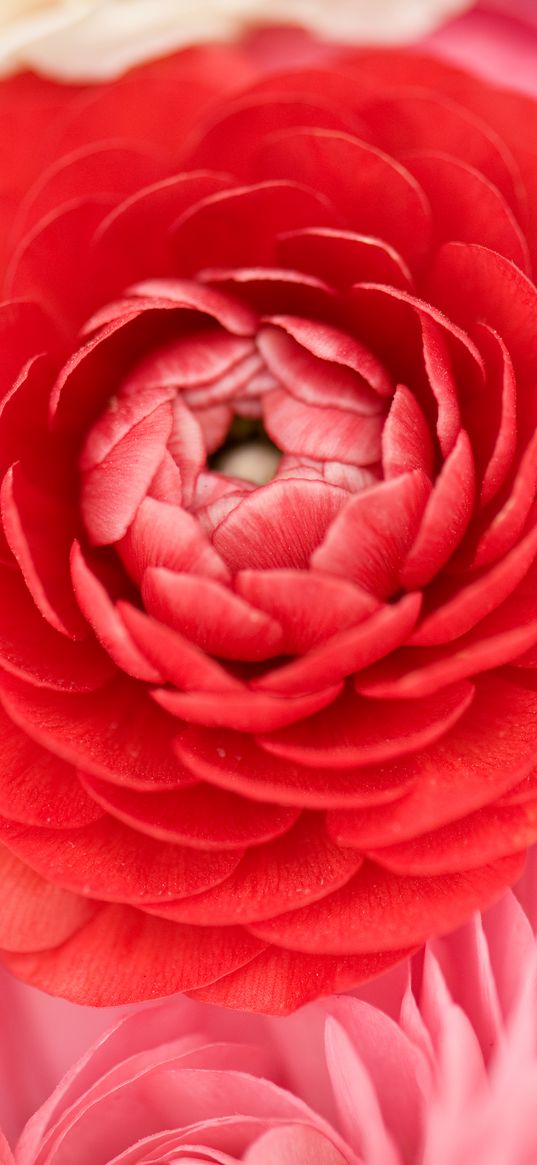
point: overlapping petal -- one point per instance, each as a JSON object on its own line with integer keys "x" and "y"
{"x": 267, "y": 432}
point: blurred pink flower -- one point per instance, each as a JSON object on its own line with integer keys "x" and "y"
{"x": 434, "y": 1064}
{"x": 497, "y": 39}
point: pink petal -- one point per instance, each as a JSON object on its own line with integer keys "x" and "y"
{"x": 279, "y": 525}
{"x": 368, "y": 541}
{"x": 295, "y": 1145}
{"x": 210, "y": 615}
{"x": 244, "y": 710}
{"x": 113, "y": 490}
{"x": 164, "y": 535}
{"x": 406, "y": 440}
{"x": 380, "y": 1113}
{"x": 334, "y": 434}
{"x": 310, "y": 607}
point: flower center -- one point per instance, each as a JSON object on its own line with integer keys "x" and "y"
{"x": 247, "y": 452}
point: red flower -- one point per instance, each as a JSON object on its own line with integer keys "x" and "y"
{"x": 257, "y": 742}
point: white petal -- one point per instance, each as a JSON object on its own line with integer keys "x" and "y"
{"x": 99, "y": 39}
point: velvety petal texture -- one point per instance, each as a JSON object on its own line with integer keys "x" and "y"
{"x": 268, "y": 500}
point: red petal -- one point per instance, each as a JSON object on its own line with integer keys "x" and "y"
{"x": 455, "y": 608}
{"x": 279, "y": 525}
{"x": 491, "y": 749}
{"x": 123, "y": 956}
{"x": 484, "y": 836}
{"x": 203, "y": 817}
{"x": 300, "y": 867}
{"x": 210, "y": 615}
{"x": 377, "y": 911}
{"x": 39, "y": 528}
{"x": 277, "y": 981}
{"x": 108, "y": 860}
{"x": 331, "y": 434}
{"x": 234, "y": 316}
{"x": 344, "y": 257}
{"x": 108, "y": 625}
{"x": 446, "y": 516}
{"x": 37, "y": 788}
{"x": 346, "y": 652}
{"x": 133, "y": 241}
{"x": 113, "y": 490}
{"x": 117, "y": 733}
{"x": 106, "y": 168}
{"x": 30, "y": 648}
{"x": 406, "y": 440}
{"x": 310, "y": 607}
{"x": 418, "y": 121}
{"x": 504, "y": 435}
{"x": 465, "y": 275}
{"x": 354, "y": 177}
{"x": 369, "y": 539}
{"x": 466, "y": 206}
{"x": 496, "y": 640}
{"x": 35, "y": 914}
{"x": 232, "y": 138}
{"x": 235, "y": 762}
{"x": 46, "y": 265}
{"x": 286, "y": 346}
{"x": 25, "y": 332}
{"x": 176, "y": 658}
{"x": 164, "y": 535}
{"x": 239, "y": 227}
{"x": 504, "y": 529}
{"x": 244, "y": 710}
{"x": 360, "y": 732}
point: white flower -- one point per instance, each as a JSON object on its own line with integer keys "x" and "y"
{"x": 97, "y": 39}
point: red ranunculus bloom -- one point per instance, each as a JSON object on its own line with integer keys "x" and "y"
{"x": 260, "y": 740}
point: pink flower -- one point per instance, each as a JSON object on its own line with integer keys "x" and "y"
{"x": 436, "y": 1066}
{"x": 497, "y": 40}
